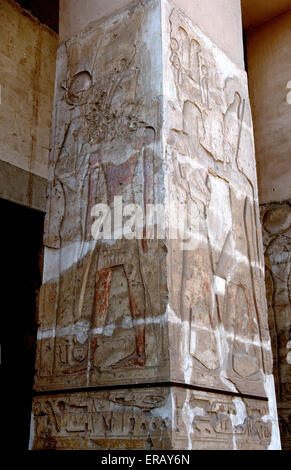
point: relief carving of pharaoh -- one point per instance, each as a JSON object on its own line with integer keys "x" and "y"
{"x": 104, "y": 151}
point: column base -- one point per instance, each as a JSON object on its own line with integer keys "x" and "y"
{"x": 149, "y": 418}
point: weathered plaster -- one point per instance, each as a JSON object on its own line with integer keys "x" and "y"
{"x": 27, "y": 69}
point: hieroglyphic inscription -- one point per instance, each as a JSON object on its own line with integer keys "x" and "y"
{"x": 125, "y": 419}
{"x": 209, "y": 421}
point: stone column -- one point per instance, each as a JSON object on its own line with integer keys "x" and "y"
{"x": 270, "y": 85}
{"x": 156, "y": 339}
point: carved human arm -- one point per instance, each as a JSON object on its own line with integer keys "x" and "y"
{"x": 199, "y": 186}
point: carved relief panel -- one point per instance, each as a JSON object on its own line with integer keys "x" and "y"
{"x": 209, "y": 421}
{"x": 102, "y": 302}
{"x": 151, "y": 419}
{"x": 134, "y": 126}
{"x": 276, "y": 222}
{"x": 218, "y": 319}
{"x": 120, "y": 419}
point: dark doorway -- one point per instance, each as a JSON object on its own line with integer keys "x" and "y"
{"x": 47, "y": 11}
{"x": 21, "y": 272}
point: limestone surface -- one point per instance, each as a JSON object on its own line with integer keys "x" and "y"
{"x": 276, "y": 221}
{"x": 27, "y": 67}
{"x": 150, "y": 113}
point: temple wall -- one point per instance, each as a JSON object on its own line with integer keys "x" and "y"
{"x": 276, "y": 220}
{"x": 269, "y": 58}
{"x": 27, "y": 65}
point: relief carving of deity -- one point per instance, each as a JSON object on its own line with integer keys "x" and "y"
{"x": 213, "y": 112}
